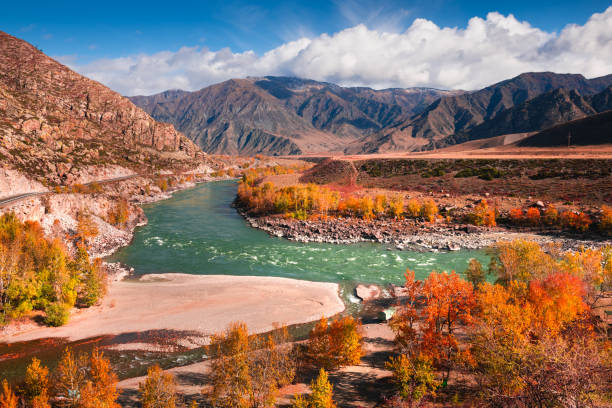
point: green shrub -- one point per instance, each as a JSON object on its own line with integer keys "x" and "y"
{"x": 56, "y": 314}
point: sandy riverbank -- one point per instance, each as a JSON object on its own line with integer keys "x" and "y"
{"x": 194, "y": 306}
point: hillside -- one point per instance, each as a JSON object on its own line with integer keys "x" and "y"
{"x": 541, "y": 112}
{"x": 592, "y": 130}
{"x": 54, "y": 121}
{"x": 458, "y": 114}
{"x": 278, "y": 115}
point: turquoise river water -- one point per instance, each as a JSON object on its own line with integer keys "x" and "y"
{"x": 198, "y": 232}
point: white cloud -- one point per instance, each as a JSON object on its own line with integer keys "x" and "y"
{"x": 486, "y": 51}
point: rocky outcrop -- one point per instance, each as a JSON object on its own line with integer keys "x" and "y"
{"x": 368, "y": 292}
{"x": 13, "y": 183}
{"x": 52, "y": 118}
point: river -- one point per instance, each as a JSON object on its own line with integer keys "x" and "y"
{"x": 197, "y": 231}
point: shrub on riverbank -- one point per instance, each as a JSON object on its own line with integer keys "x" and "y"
{"x": 302, "y": 201}
{"x": 37, "y": 273}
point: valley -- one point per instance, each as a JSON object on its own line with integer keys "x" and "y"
{"x": 282, "y": 241}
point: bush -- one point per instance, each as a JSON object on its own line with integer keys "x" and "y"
{"x": 605, "y": 222}
{"x": 414, "y": 208}
{"x": 533, "y": 216}
{"x": 482, "y": 215}
{"x": 429, "y": 210}
{"x": 56, "y": 314}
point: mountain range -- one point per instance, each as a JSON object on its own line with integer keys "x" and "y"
{"x": 281, "y": 115}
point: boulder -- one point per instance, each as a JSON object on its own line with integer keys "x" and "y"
{"x": 368, "y": 292}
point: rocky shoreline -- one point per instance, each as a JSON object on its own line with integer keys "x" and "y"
{"x": 403, "y": 234}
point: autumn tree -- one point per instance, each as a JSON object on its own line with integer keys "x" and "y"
{"x": 605, "y": 221}
{"x": 247, "y": 372}
{"x": 535, "y": 348}
{"x": 532, "y": 216}
{"x": 414, "y": 377}
{"x": 8, "y": 399}
{"x": 396, "y": 206}
{"x": 271, "y": 366}
{"x": 521, "y": 260}
{"x": 230, "y": 369}
{"x": 86, "y": 226}
{"x": 71, "y": 375}
{"x": 429, "y": 210}
{"x": 380, "y": 204}
{"x": 36, "y": 385}
{"x": 321, "y": 396}
{"x": 482, "y": 215}
{"x": 158, "y": 390}
{"x": 120, "y": 214}
{"x": 475, "y": 273}
{"x": 449, "y": 302}
{"x": 100, "y": 390}
{"x": 404, "y": 322}
{"x": 551, "y": 215}
{"x": 335, "y": 344}
{"x": 413, "y": 208}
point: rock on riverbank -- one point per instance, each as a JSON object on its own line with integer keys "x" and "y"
{"x": 402, "y": 234}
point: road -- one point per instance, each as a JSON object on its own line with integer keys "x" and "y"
{"x": 18, "y": 197}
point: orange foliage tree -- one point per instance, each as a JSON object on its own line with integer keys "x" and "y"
{"x": 605, "y": 221}
{"x": 335, "y": 344}
{"x": 36, "y": 389}
{"x": 483, "y": 215}
{"x": 8, "y": 399}
{"x": 532, "y": 216}
{"x": 158, "y": 390}
{"x": 100, "y": 390}
{"x": 449, "y": 302}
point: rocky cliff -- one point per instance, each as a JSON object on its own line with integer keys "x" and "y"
{"x": 53, "y": 119}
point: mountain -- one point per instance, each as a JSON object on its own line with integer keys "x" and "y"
{"x": 456, "y": 115}
{"x": 53, "y": 119}
{"x": 541, "y": 112}
{"x": 592, "y": 130}
{"x": 280, "y": 115}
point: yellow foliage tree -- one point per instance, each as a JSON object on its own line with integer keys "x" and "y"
{"x": 158, "y": 390}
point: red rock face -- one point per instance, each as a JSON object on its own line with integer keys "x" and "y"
{"x": 43, "y": 102}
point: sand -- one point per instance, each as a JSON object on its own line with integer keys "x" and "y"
{"x": 200, "y": 305}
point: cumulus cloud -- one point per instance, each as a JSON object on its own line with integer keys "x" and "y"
{"x": 484, "y": 52}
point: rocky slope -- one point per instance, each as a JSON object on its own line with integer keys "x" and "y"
{"x": 458, "y": 114}
{"x": 592, "y": 130}
{"x": 278, "y": 115}
{"x": 54, "y": 121}
{"x": 541, "y": 112}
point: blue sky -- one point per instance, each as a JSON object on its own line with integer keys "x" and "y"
{"x": 90, "y": 30}
{"x": 140, "y": 47}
